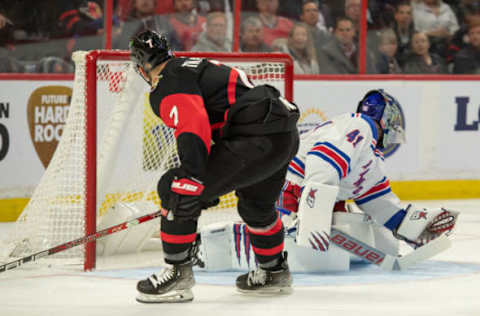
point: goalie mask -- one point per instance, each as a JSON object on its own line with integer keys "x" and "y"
{"x": 148, "y": 50}
{"x": 385, "y": 110}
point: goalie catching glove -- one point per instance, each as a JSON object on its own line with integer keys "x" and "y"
{"x": 180, "y": 194}
{"x": 420, "y": 226}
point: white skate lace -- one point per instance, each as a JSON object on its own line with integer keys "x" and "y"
{"x": 166, "y": 275}
{"x": 257, "y": 277}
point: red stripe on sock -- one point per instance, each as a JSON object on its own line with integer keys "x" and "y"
{"x": 268, "y": 252}
{"x": 178, "y": 239}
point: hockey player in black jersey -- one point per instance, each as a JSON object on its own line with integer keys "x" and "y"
{"x": 231, "y": 136}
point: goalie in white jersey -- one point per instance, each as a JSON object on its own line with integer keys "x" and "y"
{"x": 341, "y": 160}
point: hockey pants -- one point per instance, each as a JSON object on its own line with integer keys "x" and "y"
{"x": 255, "y": 168}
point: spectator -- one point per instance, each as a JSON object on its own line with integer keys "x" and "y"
{"x": 470, "y": 13}
{"x": 421, "y": 61}
{"x": 314, "y": 17}
{"x": 353, "y": 11}
{"x": 467, "y": 60}
{"x": 165, "y": 7}
{"x": 274, "y": 26}
{"x": 387, "y": 49}
{"x": 124, "y": 8}
{"x": 214, "y": 37}
{"x": 29, "y": 21}
{"x": 299, "y": 46}
{"x": 340, "y": 55}
{"x": 9, "y": 64}
{"x": 142, "y": 9}
{"x": 143, "y": 16}
{"x": 6, "y": 29}
{"x": 380, "y": 13}
{"x": 251, "y": 36}
{"x": 310, "y": 15}
{"x": 437, "y": 20}
{"x": 53, "y": 65}
{"x": 186, "y": 23}
{"x": 404, "y": 28}
{"x": 80, "y": 18}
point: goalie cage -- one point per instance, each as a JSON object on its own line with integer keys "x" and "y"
{"x": 114, "y": 149}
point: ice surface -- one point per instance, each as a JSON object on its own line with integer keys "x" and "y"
{"x": 449, "y": 284}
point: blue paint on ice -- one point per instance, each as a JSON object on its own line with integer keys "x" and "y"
{"x": 359, "y": 273}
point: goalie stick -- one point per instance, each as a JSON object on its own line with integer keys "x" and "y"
{"x": 386, "y": 261}
{"x": 80, "y": 241}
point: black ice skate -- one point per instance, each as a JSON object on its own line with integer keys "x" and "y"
{"x": 172, "y": 285}
{"x": 260, "y": 281}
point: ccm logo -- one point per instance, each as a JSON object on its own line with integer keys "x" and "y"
{"x": 357, "y": 249}
{"x": 187, "y": 187}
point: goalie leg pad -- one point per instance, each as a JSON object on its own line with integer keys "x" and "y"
{"x": 315, "y": 215}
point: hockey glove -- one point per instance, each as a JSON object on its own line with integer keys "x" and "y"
{"x": 420, "y": 226}
{"x": 180, "y": 194}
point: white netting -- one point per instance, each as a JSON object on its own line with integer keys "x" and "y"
{"x": 134, "y": 148}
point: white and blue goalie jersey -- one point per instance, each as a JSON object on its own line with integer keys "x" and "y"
{"x": 343, "y": 152}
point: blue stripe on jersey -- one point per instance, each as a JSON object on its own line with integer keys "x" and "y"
{"x": 335, "y": 149}
{"x": 299, "y": 162}
{"x": 290, "y": 169}
{"x": 330, "y": 161}
{"x": 300, "y": 167}
{"x": 373, "y": 196}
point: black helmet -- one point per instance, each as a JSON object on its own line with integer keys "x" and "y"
{"x": 149, "y": 49}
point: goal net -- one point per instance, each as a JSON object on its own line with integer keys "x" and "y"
{"x": 113, "y": 151}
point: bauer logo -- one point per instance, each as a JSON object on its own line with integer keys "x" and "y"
{"x": 46, "y": 113}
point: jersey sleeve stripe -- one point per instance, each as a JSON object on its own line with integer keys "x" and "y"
{"x": 335, "y": 154}
{"x": 381, "y": 188}
{"x": 232, "y": 84}
{"x": 297, "y": 167}
{"x": 329, "y": 160}
{"x": 338, "y": 151}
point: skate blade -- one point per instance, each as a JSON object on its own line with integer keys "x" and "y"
{"x": 268, "y": 291}
{"x": 175, "y": 296}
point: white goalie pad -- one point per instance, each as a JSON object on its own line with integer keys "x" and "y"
{"x": 130, "y": 240}
{"x": 226, "y": 247}
{"x": 315, "y": 215}
{"x": 362, "y": 227}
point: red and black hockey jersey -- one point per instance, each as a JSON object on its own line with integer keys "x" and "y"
{"x": 193, "y": 96}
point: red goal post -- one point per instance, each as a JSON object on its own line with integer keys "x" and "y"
{"x": 109, "y": 121}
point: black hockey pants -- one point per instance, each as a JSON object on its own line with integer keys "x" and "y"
{"x": 254, "y": 166}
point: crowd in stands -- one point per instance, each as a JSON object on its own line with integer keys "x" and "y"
{"x": 322, "y": 36}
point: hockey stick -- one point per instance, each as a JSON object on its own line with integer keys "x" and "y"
{"x": 386, "y": 261}
{"x": 81, "y": 240}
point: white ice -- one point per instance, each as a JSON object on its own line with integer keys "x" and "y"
{"x": 447, "y": 285}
